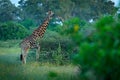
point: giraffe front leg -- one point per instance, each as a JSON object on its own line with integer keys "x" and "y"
{"x": 37, "y": 53}
{"x": 24, "y": 59}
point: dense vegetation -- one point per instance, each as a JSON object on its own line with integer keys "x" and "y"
{"x": 82, "y": 33}
{"x": 99, "y": 52}
{"x": 11, "y": 30}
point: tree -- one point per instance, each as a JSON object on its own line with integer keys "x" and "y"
{"x": 8, "y": 11}
{"x": 84, "y": 9}
{"x": 36, "y": 9}
{"x": 93, "y": 8}
{"x": 32, "y": 9}
{"x": 12, "y": 30}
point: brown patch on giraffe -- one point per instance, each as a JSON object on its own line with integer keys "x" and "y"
{"x": 26, "y": 49}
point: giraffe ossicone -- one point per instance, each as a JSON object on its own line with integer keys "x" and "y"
{"x": 31, "y": 41}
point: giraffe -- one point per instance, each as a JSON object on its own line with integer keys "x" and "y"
{"x": 31, "y": 41}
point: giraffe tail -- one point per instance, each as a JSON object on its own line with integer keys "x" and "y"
{"x": 21, "y": 57}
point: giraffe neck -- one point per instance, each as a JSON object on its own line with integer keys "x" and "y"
{"x": 39, "y": 32}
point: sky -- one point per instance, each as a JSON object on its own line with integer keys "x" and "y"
{"x": 16, "y": 2}
{"x": 116, "y": 2}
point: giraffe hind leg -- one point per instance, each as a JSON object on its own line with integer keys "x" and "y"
{"x": 24, "y": 55}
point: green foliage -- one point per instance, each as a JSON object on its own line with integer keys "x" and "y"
{"x": 52, "y": 74}
{"x": 53, "y": 39}
{"x": 36, "y": 9}
{"x": 11, "y": 30}
{"x": 55, "y": 48}
{"x": 59, "y": 49}
{"x": 75, "y": 20}
{"x": 100, "y": 52}
{"x": 72, "y": 26}
{"x": 104, "y": 21}
{"x": 8, "y": 11}
{"x": 58, "y": 56}
{"x": 28, "y": 23}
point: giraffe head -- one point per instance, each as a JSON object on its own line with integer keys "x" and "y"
{"x": 50, "y": 14}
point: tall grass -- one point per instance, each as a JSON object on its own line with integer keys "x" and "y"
{"x": 12, "y": 69}
{"x": 9, "y": 50}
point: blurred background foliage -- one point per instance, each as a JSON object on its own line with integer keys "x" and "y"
{"x": 100, "y": 52}
{"x": 82, "y": 32}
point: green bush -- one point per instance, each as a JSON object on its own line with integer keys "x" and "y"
{"x": 100, "y": 52}
{"x": 54, "y": 48}
{"x": 12, "y": 30}
{"x": 52, "y": 39}
{"x": 71, "y": 26}
{"x": 28, "y": 23}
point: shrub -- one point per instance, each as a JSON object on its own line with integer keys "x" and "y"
{"x": 11, "y": 30}
{"x": 52, "y": 39}
{"x": 100, "y": 52}
{"x": 54, "y": 48}
{"x": 28, "y": 23}
{"x": 71, "y": 26}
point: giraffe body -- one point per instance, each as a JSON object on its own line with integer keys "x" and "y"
{"x": 31, "y": 40}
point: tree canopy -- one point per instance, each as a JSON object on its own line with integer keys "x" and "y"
{"x": 83, "y": 9}
{"x": 36, "y": 9}
{"x": 8, "y": 11}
